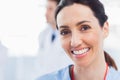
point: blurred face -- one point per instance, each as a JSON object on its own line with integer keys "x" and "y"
{"x": 81, "y": 35}
{"x": 50, "y": 10}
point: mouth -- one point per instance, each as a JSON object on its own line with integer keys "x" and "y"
{"x": 81, "y": 51}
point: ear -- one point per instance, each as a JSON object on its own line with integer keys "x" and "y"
{"x": 106, "y": 29}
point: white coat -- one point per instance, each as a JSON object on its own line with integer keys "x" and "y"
{"x": 51, "y": 55}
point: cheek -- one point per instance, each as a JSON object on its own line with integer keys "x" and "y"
{"x": 95, "y": 39}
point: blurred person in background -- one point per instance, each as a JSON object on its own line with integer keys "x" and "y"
{"x": 50, "y": 51}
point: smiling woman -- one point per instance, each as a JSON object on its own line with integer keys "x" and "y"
{"x": 83, "y": 27}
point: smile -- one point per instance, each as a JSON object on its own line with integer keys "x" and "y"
{"x": 80, "y": 52}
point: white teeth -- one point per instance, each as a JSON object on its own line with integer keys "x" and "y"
{"x": 81, "y": 51}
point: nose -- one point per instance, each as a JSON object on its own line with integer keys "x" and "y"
{"x": 76, "y": 40}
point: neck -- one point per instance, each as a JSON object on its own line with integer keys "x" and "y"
{"x": 94, "y": 71}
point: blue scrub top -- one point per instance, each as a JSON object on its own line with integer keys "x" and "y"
{"x": 64, "y": 74}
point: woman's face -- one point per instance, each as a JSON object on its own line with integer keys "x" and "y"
{"x": 80, "y": 33}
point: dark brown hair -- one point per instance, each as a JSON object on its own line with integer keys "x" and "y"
{"x": 110, "y": 61}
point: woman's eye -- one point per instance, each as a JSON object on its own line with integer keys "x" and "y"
{"x": 85, "y": 27}
{"x": 64, "y": 32}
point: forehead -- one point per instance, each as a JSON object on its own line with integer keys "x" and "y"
{"x": 73, "y": 13}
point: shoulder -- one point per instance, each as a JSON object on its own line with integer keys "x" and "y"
{"x": 46, "y": 30}
{"x": 113, "y": 74}
{"x": 44, "y": 34}
{"x": 62, "y": 74}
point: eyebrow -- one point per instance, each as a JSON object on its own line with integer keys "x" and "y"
{"x": 81, "y": 22}
{"x": 64, "y": 26}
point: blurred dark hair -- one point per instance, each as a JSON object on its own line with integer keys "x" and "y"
{"x": 98, "y": 10}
